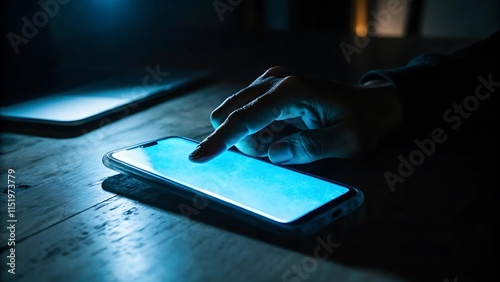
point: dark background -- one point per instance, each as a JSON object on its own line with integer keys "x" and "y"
{"x": 439, "y": 224}
{"x": 86, "y": 40}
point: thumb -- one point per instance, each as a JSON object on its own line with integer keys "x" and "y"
{"x": 311, "y": 145}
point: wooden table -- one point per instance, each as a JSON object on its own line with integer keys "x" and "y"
{"x": 79, "y": 221}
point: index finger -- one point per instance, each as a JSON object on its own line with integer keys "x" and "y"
{"x": 278, "y": 103}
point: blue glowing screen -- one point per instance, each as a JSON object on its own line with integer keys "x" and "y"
{"x": 271, "y": 191}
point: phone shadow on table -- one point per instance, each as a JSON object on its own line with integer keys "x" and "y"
{"x": 429, "y": 230}
{"x": 136, "y": 190}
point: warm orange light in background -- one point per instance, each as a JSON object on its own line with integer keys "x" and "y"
{"x": 361, "y": 17}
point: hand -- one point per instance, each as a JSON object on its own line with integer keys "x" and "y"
{"x": 331, "y": 119}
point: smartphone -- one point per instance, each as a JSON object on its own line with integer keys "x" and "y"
{"x": 277, "y": 199}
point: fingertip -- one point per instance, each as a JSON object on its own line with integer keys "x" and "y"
{"x": 196, "y": 154}
{"x": 205, "y": 152}
{"x": 199, "y": 155}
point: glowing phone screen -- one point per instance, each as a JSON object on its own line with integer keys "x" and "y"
{"x": 266, "y": 189}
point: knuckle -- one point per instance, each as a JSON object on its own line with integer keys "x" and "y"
{"x": 219, "y": 114}
{"x": 216, "y": 117}
{"x": 288, "y": 80}
{"x": 274, "y": 71}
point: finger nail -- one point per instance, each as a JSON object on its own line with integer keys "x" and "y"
{"x": 196, "y": 154}
{"x": 280, "y": 152}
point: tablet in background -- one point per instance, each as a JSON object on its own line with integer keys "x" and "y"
{"x": 76, "y": 111}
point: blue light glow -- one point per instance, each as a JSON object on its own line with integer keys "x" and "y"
{"x": 84, "y": 102}
{"x": 271, "y": 191}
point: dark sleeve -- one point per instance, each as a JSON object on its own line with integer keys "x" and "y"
{"x": 435, "y": 88}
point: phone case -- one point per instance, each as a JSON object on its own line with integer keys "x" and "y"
{"x": 306, "y": 225}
